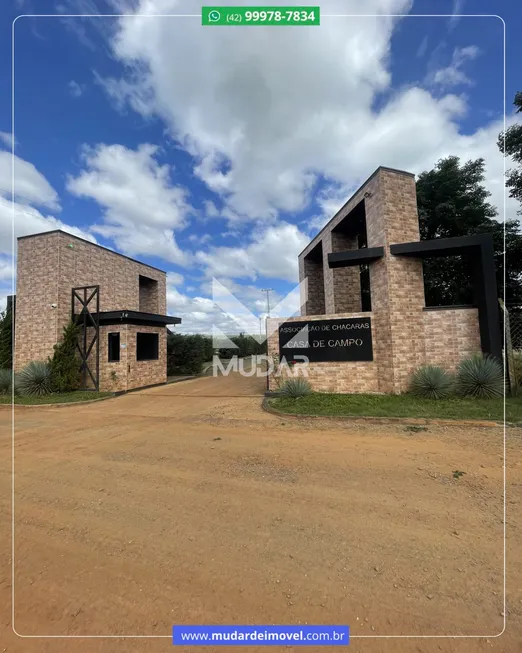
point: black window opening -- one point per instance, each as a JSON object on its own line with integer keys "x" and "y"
{"x": 147, "y": 346}
{"x": 449, "y": 281}
{"x": 114, "y": 347}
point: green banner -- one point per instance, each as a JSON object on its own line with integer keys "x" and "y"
{"x": 260, "y": 16}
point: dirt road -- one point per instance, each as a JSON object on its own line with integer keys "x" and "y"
{"x": 188, "y": 504}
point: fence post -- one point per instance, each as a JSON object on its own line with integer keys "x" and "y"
{"x": 509, "y": 358}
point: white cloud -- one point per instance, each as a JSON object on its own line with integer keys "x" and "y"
{"x": 7, "y": 139}
{"x": 423, "y": 46}
{"x": 6, "y": 269}
{"x": 174, "y": 278}
{"x": 200, "y": 239}
{"x": 230, "y": 307}
{"x": 211, "y": 210}
{"x": 30, "y": 185}
{"x": 329, "y": 200}
{"x": 272, "y": 253}
{"x": 141, "y": 207}
{"x": 21, "y": 218}
{"x": 90, "y": 32}
{"x": 261, "y": 110}
{"x": 483, "y": 143}
{"x": 139, "y": 97}
{"x": 75, "y": 89}
{"x": 32, "y": 190}
{"x": 200, "y": 313}
{"x": 28, "y": 220}
{"x": 264, "y": 112}
{"x": 458, "y": 6}
{"x": 453, "y": 75}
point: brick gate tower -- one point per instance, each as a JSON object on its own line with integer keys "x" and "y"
{"x": 365, "y": 268}
{"x": 118, "y": 303}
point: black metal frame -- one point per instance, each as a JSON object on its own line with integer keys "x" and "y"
{"x": 481, "y": 255}
{"x": 480, "y": 252}
{"x": 355, "y": 257}
{"x": 137, "y": 318}
{"x": 87, "y": 319}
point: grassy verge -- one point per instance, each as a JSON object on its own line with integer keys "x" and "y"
{"x": 65, "y": 398}
{"x": 401, "y": 406}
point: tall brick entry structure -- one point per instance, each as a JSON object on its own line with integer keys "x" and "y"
{"x": 119, "y": 304}
{"x": 376, "y": 234}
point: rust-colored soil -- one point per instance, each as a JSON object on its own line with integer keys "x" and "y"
{"x": 189, "y": 504}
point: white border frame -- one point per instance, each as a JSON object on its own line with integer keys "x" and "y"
{"x": 13, "y": 243}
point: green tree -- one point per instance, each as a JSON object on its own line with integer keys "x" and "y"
{"x": 246, "y": 346}
{"x": 186, "y": 353}
{"x": 452, "y": 201}
{"x": 6, "y": 339}
{"x": 512, "y": 139}
{"x": 65, "y": 364}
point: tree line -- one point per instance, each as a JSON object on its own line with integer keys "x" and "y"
{"x": 187, "y": 353}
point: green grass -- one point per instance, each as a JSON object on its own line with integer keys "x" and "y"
{"x": 64, "y": 398}
{"x": 401, "y": 406}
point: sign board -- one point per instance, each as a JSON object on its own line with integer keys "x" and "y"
{"x": 345, "y": 339}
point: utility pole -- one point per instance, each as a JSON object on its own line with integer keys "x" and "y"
{"x": 268, "y": 291}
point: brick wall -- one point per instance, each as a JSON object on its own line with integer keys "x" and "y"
{"x": 448, "y": 336}
{"x": 37, "y": 324}
{"x": 346, "y": 282}
{"x": 113, "y": 375}
{"x": 405, "y": 336}
{"x": 339, "y": 377}
{"x": 342, "y": 286}
{"x": 451, "y": 334}
{"x": 312, "y": 271}
{"x": 143, "y": 373}
{"x": 397, "y": 286}
{"x": 48, "y": 267}
{"x": 129, "y": 373}
{"x": 148, "y": 295}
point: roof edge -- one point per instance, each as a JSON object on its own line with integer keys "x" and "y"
{"x": 84, "y": 240}
{"x": 376, "y": 171}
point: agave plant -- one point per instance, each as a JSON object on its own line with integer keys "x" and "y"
{"x": 35, "y": 379}
{"x": 481, "y": 377}
{"x": 6, "y": 380}
{"x": 297, "y": 387}
{"x": 431, "y": 382}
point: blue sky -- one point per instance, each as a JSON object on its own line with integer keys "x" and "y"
{"x": 210, "y": 151}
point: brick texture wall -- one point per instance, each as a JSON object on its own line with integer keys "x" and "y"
{"x": 451, "y": 334}
{"x": 37, "y": 326}
{"x": 129, "y": 373}
{"x": 142, "y": 373}
{"x": 48, "y": 267}
{"x": 312, "y": 271}
{"x": 342, "y": 377}
{"x": 448, "y": 336}
{"x": 404, "y": 335}
{"x": 342, "y": 286}
{"x": 397, "y": 285}
{"x": 148, "y": 295}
